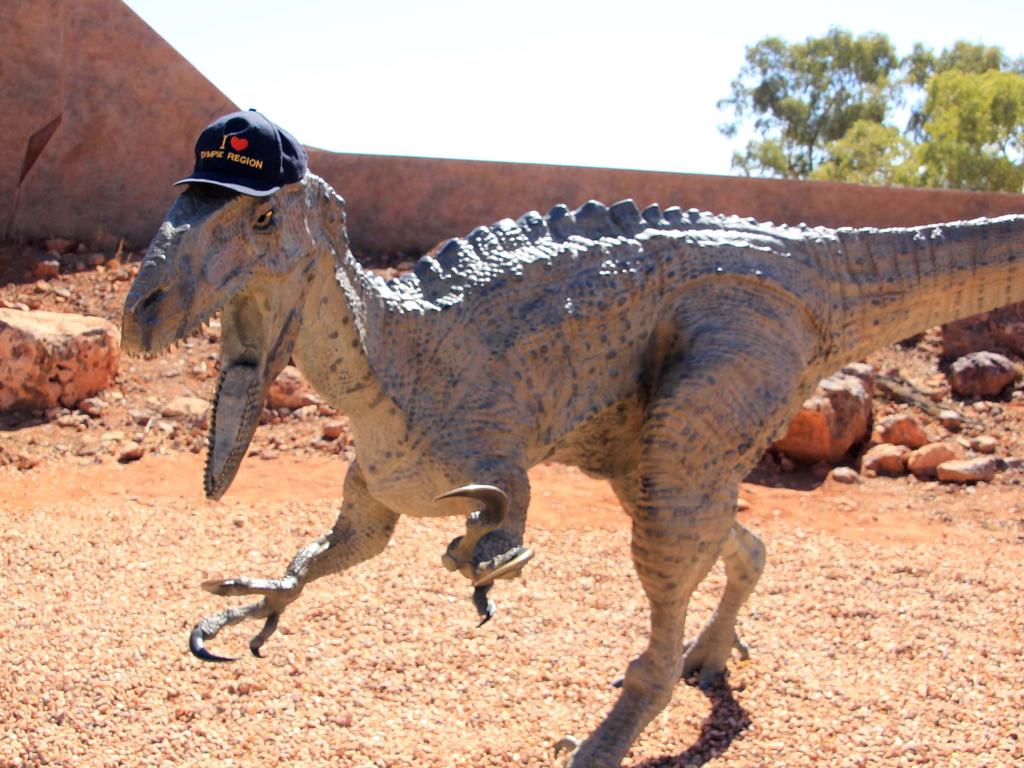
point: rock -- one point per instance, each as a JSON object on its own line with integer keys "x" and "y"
{"x": 59, "y": 245}
{"x": 45, "y": 269}
{"x": 51, "y": 358}
{"x": 92, "y": 406}
{"x": 862, "y": 371}
{"x": 886, "y": 459}
{"x": 951, "y": 420}
{"x": 844, "y": 475}
{"x": 924, "y": 460}
{"x": 290, "y": 390}
{"x": 25, "y": 461}
{"x": 835, "y": 417}
{"x": 900, "y": 429}
{"x": 131, "y": 453}
{"x": 980, "y": 470}
{"x": 195, "y": 410}
{"x": 1001, "y": 330}
{"x": 333, "y": 429}
{"x": 821, "y": 470}
{"x": 140, "y": 416}
{"x": 984, "y": 444}
{"x": 981, "y": 374}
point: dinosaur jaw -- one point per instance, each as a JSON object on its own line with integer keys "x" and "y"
{"x": 237, "y": 406}
{"x": 154, "y": 320}
{"x": 256, "y": 344}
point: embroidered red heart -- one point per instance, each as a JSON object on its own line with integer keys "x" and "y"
{"x": 238, "y": 143}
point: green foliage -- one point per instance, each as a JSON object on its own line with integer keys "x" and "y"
{"x": 974, "y": 131}
{"x": 802, "y": 96}
{"x": 823, "y": 108}
{"x": 869, "y": 153}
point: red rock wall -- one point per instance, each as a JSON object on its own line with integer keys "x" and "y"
{"x": 99, "y": 116}
{"x": 108, "y": 111}
{"x": 409, "y": 204}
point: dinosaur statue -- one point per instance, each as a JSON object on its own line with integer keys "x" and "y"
{"x": 663, "y": 350}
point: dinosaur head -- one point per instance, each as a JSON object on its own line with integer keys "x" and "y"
{"x": 251, "y": 256}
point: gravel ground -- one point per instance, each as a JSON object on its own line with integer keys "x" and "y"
{"x": 893, "y": 638}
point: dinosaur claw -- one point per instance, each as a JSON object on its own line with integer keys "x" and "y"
{"x": 504, "y": 566}
{"x": 565, "y": 744}
{"x": 264, "y": 634}
{"x": 485, "y": 607}
{"x": 195, "y": 645}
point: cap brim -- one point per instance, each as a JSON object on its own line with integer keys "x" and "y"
{"x": 237, "y": 187}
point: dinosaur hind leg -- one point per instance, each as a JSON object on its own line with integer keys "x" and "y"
{"x": 681, "y": 517}
{"x": 361, "y": 531}
{"x": 744, "y": 556}
{"x": 713, "y": 412}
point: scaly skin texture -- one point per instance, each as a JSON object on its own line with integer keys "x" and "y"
{"x": 661, "y": 350}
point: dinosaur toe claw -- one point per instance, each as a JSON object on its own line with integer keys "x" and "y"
{"x": 264, "y": 634}
{"x": 565, "y": 744}
{"x": 485, "y": 607}
{"x": 195, "y": 645}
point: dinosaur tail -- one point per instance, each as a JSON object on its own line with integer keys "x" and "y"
{"x": 894, "y": 283}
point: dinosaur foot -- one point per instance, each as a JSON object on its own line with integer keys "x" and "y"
{"x": 507, "y": 565}
{"x": 705, "y": 658}
{"x": 566, "y": 745}
{"x": 276, "y": 594}
{"x": 695, "y": 668}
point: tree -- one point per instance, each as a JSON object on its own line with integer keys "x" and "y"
{"x": 922, "y": 64}
{"x": 869, "y": 153}
{"x": 823, "y": 109}
{"x": 973, "y": 128}
{"x": 805, "y": 95}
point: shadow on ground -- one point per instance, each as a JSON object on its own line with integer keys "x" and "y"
{"x": 726, "y": 721}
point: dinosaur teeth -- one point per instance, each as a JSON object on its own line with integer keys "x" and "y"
{"x": 236, "y": 413}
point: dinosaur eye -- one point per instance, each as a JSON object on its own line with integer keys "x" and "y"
{"x": 264, "y": 219}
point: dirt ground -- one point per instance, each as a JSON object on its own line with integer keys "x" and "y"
{"x": 886, "y": 631}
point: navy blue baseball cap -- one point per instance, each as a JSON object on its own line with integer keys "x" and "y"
{"x": 246, "y": 152}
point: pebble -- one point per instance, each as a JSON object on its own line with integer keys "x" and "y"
{"x": 332, "y": 430}
{"x": 131, "y": 453}
{"x": 984, "y": 444}
{"x": 845, "y": 476}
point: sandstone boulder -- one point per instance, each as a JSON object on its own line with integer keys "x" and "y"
{"x": 900, "y": 429}
{"x": 980, "y": 470}
{"x": 981, "y": 374}
{"x": 922, "y": 463}
{"x": 886, "y": 459}
{"x": 835, "y": 417}
{"x": 54, "y": 358}
{"x": 290, "y": 390}
{"x": 1001, "y": 330}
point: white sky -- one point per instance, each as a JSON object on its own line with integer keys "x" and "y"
{"x": 623, "y": 85}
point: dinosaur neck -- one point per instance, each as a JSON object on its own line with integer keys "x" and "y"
{"x": 895, "y": 283}
{"x": 329, "y": 350}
